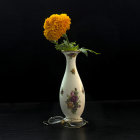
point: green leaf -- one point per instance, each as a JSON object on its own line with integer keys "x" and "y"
{"x": 71, "y": 46}
{"x": 93, "y": 52}
{"x": 85, "y": 51}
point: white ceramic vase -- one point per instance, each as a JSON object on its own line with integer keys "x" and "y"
{"x": 72, "y": 94}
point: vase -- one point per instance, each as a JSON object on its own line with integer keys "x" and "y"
{"x": 72, "y": 94}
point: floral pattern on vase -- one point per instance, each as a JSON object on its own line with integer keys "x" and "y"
{"x": 73, "y": 71}
{"x": 73, "y": 101}
{"x": 71, "y": 55}
{"x": 62, "y": 92}
{"x": 83, "y": 91}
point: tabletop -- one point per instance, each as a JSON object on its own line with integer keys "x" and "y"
{"x": 107, "y": 120}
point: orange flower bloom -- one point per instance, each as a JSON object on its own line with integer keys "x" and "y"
{"x": 55, "y": 26}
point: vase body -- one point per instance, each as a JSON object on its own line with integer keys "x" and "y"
{"x": 72, "y": 94}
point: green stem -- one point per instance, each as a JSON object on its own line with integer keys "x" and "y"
{"x": 66, "y": 37}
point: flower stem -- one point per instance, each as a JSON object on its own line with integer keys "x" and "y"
{"x": 66, "y": 37}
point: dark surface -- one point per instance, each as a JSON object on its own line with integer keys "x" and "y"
{"x": 108, "y": 120}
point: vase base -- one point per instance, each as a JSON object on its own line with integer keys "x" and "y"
{"x": 73, "y": 120}
{"x": 66, "y": 122}
{"x": 74, "y": 123}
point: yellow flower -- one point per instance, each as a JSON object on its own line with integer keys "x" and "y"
{"x": 55, "y": 26}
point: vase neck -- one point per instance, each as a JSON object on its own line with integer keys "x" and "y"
{"x": 71, "y": 59}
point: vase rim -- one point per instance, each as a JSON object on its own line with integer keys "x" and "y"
{"x": 71, "y": 51}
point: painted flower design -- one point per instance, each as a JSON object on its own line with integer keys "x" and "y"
{"x": 73, "y": 71}
{"x": 70, "y": 105}
{"x": 62, "y": 92}
{"x": 71, "y": 55}
{"x": 73, "y": 101}
{"x": 83, "y": 91}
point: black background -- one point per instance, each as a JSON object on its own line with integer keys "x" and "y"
{"x": 31, "y": 69}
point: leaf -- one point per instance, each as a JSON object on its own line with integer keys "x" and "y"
{"x": 85, "y": 51}
{"x": 65, "y": 42}
{"x": 71, "y": 46}
{"x": 93, "y": 52}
